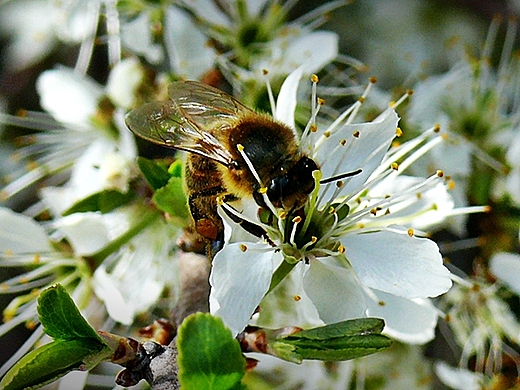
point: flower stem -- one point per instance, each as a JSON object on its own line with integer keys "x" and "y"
{"x": 146, "y": 219}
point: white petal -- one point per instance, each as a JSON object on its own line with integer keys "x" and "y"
{"x": 138, "y": 272}
{"x": 458, "y": 378}
{"x": 126, "y": 146}
{"x": 394, "y": 262}
{"x": 506, "y": 267}
{"x": 286, "y": 102}
{"x": 254, "y": 7}
{"x": 335, "y": 292}
{"x": 312, "y": 51}
{"x": 208, "y": 10}
{"x": 410, "y": 321}
{"x": 21, "y": 234}
{"x": 86, "y": 232}
{"x": 365, "y": 152}
{"x": 123, "y": 81}
{"x": 57, "y": 199}
{"x": 188, "y": 51}
{"x": 107, "y": 290}
{"x": 74, "y": 380}
{"x": 239, "y": 280}
{"x": 136, "y": 36}
{"x": 69, "y": 97}
{"x": 279, "y": 308}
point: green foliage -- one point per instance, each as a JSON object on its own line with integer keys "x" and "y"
{"x": 76, "y": 345}
{"x": 172, "y": 199}
{"x": 209, "y": 356}
{"x": 168, "y": 184}
{"x": 155, "y": 173}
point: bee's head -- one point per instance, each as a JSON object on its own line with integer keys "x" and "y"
{"x": 289, "y": 188}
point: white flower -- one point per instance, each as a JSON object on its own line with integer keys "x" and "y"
{"x": 477, "y": 106}
{"x": 134, "y": 280}
{"x": 83, "y": 138}
{"x": 350, "y": 259}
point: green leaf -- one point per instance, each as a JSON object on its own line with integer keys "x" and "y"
{"x": 341, "y": 341}
{"x": 76, "y": 345}
{"x": 172, "y": 199}
{"x": 176, "y": 168}
{"x": 156, "y": 174}
{"x": 50, "y": 362}
{"x": 209, "y": 356}
{"x": 104, "y": 201}
{"x": 60, "y": 317}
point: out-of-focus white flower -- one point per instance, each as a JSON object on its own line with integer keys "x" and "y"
{"x": 255, "y": 38}
{"x": 85, "y": 135}
{"x": 24, "y": 242}
{"x": 347, "y": 256}
{"x": 129, "y": 274}
{"x": 477, "y": 105}
{"x": 482, "y": 323}
{"x": 133, "y": 281}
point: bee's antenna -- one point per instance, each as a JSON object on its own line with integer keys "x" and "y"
{"x": 342, "y": 176}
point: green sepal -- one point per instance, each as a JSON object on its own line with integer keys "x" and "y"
{"x": 155, "y": 173}
{"x": 209, "y": 356}
{"x": 103, "y": 201}
{"x": 336, "y": 342}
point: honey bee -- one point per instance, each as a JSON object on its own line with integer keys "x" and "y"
{"x": 217, "y": 130}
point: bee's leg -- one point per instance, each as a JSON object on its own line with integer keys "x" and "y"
{"x": 203, "y": 208}
{"x": 254, "y": 229}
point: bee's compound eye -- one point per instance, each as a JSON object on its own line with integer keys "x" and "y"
{"x": 276, "y": 189}
{"x": 302, "y": 174}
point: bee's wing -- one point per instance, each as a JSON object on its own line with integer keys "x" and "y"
{"x": 204, "y": 104}
{"x": 165, "y": 123}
